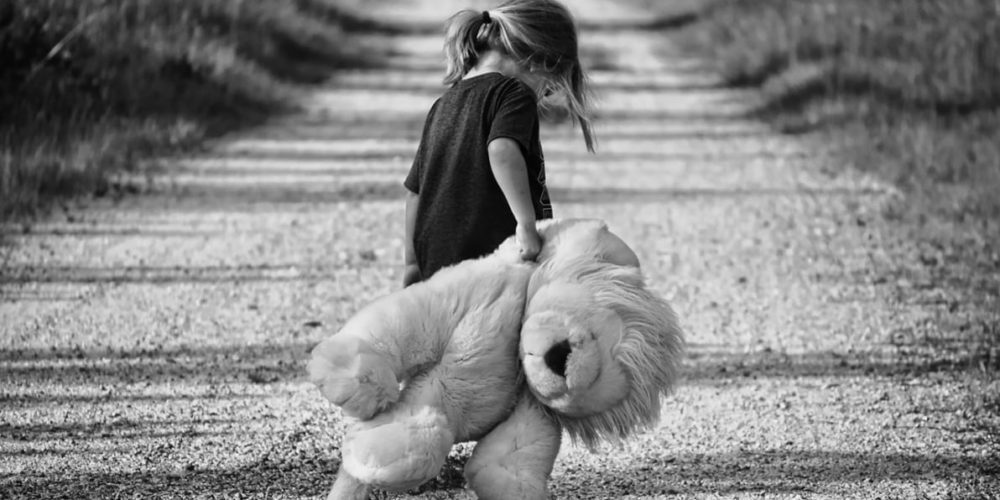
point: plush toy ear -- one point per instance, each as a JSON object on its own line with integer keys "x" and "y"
{"x": 569, "y": 239}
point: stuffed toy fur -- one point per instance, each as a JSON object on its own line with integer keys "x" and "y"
{"x": 503, "y": 352}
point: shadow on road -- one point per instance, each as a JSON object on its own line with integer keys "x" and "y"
{"x": 771, "y": 472}
{"x": 262, "y": 479}
{"x": 285, "y": 362}
{"x": 254, "y": 364}
{"x": 162, "y": 275}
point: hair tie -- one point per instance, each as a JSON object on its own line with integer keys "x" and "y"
{"x": 486, "y": 17}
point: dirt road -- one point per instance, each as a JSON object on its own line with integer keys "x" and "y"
{"x": 154, "y": 347}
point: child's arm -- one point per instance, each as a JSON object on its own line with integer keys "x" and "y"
{"x": 511, "y": 174}
{"x": 411, "y": 270}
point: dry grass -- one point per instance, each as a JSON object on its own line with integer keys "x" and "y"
{"x": 91, "y": 86}
{"x": 915, "y": 84}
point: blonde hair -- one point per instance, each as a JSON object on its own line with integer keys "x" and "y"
{"x": 539, "y": 35}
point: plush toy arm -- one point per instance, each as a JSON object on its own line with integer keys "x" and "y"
{"x": 360, "y": 367}
{"x": 515, "y": 459}
{"x": 352, "y": 375}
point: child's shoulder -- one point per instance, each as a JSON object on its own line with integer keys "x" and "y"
{"x": 494, "y": 82}
{"x": 512, "y": 84}
{"x": 487, "y": 90}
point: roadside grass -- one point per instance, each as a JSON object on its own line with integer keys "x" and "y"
{"x": 908, "y": 91}
{"x": 89, "y": 88}
{"x": 915, "y": 85}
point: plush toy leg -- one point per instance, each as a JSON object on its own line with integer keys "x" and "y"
{"x": 347, "y": 487}
{"x": 351, "y": 374}
{"x": 515, "y": 459}
{"x": 401, "y": 448}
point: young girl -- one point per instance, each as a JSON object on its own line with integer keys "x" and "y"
{"x": 479, "y": 172}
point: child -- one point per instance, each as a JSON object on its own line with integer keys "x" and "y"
{"x": 479, "y": 172}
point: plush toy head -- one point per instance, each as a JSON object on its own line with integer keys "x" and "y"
{"x": 598, "y": 349}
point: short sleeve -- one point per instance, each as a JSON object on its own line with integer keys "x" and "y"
{"x": 516, "y": 114}
{"x": 412, "y": 181}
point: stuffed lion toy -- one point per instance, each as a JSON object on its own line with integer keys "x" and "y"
{"x": 503, "y": 352}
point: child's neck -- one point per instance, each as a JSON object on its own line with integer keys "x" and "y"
{"x": 492, "y": 61}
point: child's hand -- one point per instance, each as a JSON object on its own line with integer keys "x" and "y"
{"x": 411, "y": 275}
{"x": 529, "y": 240}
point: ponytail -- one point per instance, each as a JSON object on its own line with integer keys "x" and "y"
{"x": 467, "y": 34}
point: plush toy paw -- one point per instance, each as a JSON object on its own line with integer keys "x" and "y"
{"x": 353, "y": 376}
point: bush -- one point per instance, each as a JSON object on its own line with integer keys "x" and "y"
{"x": 90, "y": 86}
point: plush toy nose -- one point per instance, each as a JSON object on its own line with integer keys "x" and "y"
{"x": 556, "y": 357}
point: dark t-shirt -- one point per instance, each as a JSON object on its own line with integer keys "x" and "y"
{"x": 462, "y": 213}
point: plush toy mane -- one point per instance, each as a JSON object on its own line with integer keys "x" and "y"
{"x": 649, "y": 349}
